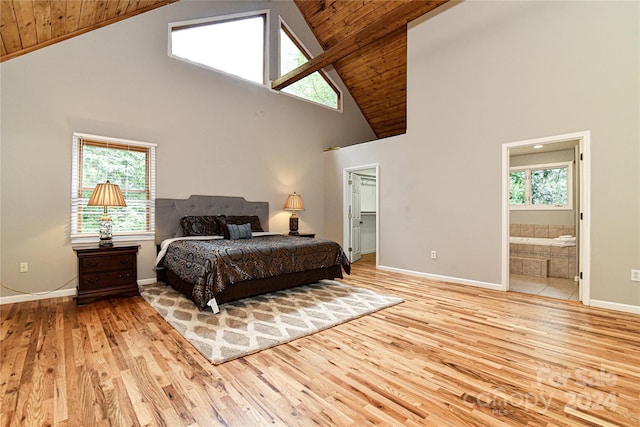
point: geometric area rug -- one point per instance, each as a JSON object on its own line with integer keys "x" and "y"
{"x": 257, "y": 323}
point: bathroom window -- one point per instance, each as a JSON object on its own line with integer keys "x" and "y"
{"x": 541, "y": 187}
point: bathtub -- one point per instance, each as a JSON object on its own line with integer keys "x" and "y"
{"x": 562, "y": 241}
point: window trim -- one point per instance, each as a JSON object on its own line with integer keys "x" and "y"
{"x": 76, "y": 201}
{"x": 282, "y": 25}
{"x": 220, "y": 19}
{"x": 527, "y": 206}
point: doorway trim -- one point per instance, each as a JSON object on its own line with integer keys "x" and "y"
{"x": 346, "y": 201}
{"x": 584, "y": 206}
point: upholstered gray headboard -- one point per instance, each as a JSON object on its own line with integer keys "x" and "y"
{"x": 170, "y": 211}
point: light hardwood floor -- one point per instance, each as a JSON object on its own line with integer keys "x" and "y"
{"x": 450, "y": 355}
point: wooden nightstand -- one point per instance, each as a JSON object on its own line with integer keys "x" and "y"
{"x": 303, "y": 235}
{"x": 106, "y": 271}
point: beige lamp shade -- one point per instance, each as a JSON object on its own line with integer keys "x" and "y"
{"x": 107, "y": 194}
{"x": 294, "y": 203}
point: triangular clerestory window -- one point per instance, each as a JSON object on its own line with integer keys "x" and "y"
{"x": 316, "y": 87}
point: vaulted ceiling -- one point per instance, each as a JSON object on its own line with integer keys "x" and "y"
{"x": 27, "y": 25}
{"x": 364, "y": 40}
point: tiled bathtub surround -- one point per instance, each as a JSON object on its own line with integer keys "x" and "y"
{"x": 541, "y": 230}
{"x": 542, "y": 260}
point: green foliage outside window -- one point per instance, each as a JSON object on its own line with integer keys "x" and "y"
{"x": 541, "y": 187}
{"x": 549, "y": 186}
{"x": 517, "y": 184}
{"x": 313, "y": 87}
{"x": 126, "y": 168}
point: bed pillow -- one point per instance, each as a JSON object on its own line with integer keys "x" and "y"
{"x": 253, "y": 220}
{"x": 241, "y": 231}
{"x": 201, "y": 225}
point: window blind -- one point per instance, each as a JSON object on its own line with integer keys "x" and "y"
{"x": 129, "y": 164}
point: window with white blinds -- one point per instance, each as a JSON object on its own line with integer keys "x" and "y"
{"x": 129, "y": 164}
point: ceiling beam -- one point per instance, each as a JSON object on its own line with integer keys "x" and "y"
{"x": 385, "y": 25}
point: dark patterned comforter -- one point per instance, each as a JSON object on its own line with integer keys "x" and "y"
{"x": 212, "y": 265}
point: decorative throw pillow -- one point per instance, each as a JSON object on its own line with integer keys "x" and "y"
{"x": 242, "y": 231}
{"x": 254, "y": 220}
{"x": 200, "y": 225}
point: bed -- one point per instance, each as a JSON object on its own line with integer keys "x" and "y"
{"x": 201, "y": 256}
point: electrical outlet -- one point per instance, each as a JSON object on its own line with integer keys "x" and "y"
{"x": 635, "y": 275}
{"x": 434, "y": 255}
{"x": 24, "y": 267}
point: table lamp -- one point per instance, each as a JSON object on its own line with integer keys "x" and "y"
{"x": 294, "y": 203}
{"x": 106, "y": 194}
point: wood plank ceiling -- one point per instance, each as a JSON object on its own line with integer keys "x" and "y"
{"x": 27, "y": 25}
{"x": 364, "y": 40}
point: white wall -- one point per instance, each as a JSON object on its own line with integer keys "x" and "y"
{"x": 481, "y": 74}
{"x": 216, "y": 134}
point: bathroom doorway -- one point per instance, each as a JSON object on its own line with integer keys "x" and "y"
{"x": 544, "y": 218}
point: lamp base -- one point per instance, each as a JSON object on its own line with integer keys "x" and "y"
{"x": 293, "y": 224}
{"x": 106, "y": 231}
{"x": 106, "y": 242}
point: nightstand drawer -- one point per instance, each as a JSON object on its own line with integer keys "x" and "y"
{"x": 106, "y": 271}
{"x": 115, "y": 262}
{"x": 108, "y": 280}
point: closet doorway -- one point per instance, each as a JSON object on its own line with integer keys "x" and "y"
{"x": 360, "y": 215}
{"x": 546, "y": 217}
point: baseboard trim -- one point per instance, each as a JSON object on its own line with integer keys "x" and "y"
{"x": 456, "y": 280}
{"x": 34, "y": 297}
{"x": 627, "y": 308}
{"x": 55, "y": 294}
